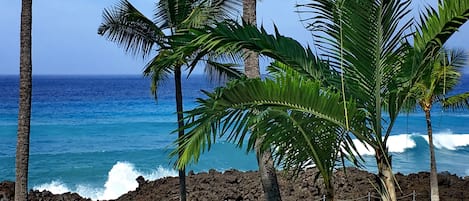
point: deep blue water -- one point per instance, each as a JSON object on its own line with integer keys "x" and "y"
{"x": 93, "y": 134}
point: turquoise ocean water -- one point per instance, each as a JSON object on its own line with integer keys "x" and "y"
{"x": 95, "y": 134}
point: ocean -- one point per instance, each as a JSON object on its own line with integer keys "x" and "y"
{"x": 95, "y": 134}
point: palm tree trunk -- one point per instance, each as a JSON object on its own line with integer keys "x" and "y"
{"x": 24, "y": 113}
{"x": 264, "y": 159}
{"x": 434, "y": 195}
{"x": 180, "y": 119}
{"x": 268, "y": 174}
{"x": 330, "y": 190}
{"x": 251, "y": 62}
{"x": 385, "y": 178}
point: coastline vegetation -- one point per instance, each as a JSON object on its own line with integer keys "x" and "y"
{"x": 369, "y": 60}
{"x": 433, "y": 88}
{"x": 372, "y": 56}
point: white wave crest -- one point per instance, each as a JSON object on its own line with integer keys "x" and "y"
{"x": 396, "y": 144}
{"x": 121, "y": 179}
{"x": 55, "y": 187}
{"x": 448, "y": 140}
{"x": 399, "y": 143}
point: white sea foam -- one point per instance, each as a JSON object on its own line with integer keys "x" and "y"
{"x": 448, "y": 140}
{"x": 396, "y": 144}
{"x": 121, "y": 179}
{"x": 56, "y": 187}
{"x": 399, "y": 143}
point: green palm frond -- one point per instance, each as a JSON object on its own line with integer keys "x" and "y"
{"x": 129, "y": 28}
{"x": 358, "y": 33}
{"x": 436, "y": 27}
{"x": 231, "y": 37}
{"x": 366, "y": 41}
{"x": 434, "y": 30}
{"x": 297, "y": 138}
{"x": 460, "y": 101}
{"x": 184, "y": 13}
{"x": 220, "y": 10}
{"x": 233, "y": 111}
{"x": 158, "y": 73}
{"x": 222, "y": 71}
{"x": 171, "y": 14}
{"x": 208, "y": 12}
{"x": 449, "y": 68}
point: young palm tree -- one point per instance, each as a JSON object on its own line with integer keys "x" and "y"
{"x": 24, "y": 113}
{"x": 244, "y": 110}
{"x": 433, "y": 87}
{"x": 139, "y": 35}
{"x": 287, "y": 112}
{"x": 364, "y": 43}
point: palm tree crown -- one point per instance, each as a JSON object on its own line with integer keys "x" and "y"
{"x": 139, "y": 35}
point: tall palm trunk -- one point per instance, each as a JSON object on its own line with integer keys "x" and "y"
{"x": 251, "y": 62}
{"x": 434, "y": 195}
{"x": 24, "y": 113}
{"x": 264, "y": 160}
{"x": 385, "y": 176}
{"x": 180, "y": 119}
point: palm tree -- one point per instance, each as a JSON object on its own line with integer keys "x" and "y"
{"x": 251, "y": 68}
{"x": 441, "y": 78}
{"x": 286, "y": 112}
{"x": 244, "y": 111}
{"x": 24, "y": 113}
{"x": 137, "y": 34}
{"x": 365, "y": 57}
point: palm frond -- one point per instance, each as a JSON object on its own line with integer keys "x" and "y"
{"x": 436, "y": 27}
{"x": 434, "y": 30}
{"x": 222, "y": 71}
{"x": 129, "y": 28}
{"x": 365, "y": 40}
{"x": 158, "y": 73}
{"x": 233, "y": 110}
{"x": 446, "y": 72}
{"x": 459, "y": 101}
{"x": 171, "y": 14}
{"x": 209, "y": 12}
{"x": 231, "y": 37}
{"x": 297, "y": 138}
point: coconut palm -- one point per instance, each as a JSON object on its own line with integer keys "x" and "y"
{"x": 364, "y": 56}
{"x": 433, "y": 87}
{"x": 139, "y": 35}
{"x": 24, "y": 113}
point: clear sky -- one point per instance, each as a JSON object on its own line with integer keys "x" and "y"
{"x": 65, "y": 39}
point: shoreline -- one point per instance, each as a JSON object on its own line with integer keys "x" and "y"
{"x": 234, "y": 185}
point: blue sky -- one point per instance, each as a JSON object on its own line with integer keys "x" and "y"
{"x": 65, "y": 39}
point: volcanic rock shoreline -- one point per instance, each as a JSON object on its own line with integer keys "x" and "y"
{"x": 233, "y": 185}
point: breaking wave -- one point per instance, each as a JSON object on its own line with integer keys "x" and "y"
{"x": 121, "y": 179}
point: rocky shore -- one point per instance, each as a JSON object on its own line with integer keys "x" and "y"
{"x": 233, "y": 185}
